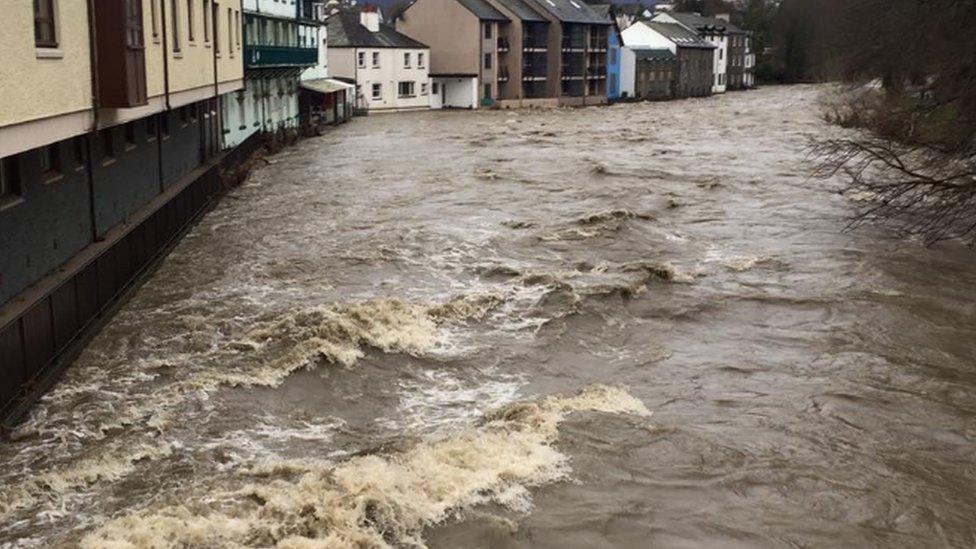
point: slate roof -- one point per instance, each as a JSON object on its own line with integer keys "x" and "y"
{"x": 653, "y": 54}
{"x": 571, "y": 11}
{"x": 603, "y": 10}
{"x": 524, "y": 11}
{"x": 483, "y": 10}
{"x": 703, "y": 23}
{"x": 681, "y": 36}
{"x": 345, "y": 31}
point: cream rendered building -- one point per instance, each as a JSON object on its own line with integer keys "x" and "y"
{"x": 108, "y": 141}
{"x": 390, "y": 70}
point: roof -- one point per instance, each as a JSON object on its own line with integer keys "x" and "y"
{"x": 523, "y": 11}
{"x": 653, "y": 54}
{"x": 326, "y": 85}
{"x": 345, "y": 31}
{"x": 681, "y": 36}
{"x": 572, "y": 11}
{"x": 603, "y": 10}
{"x": 704, "y": 23}
{"x": 483, "y": 10}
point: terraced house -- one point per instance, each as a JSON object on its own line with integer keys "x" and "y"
{"x": 281, "y": 40}
{"x": 693, "y": 68}
{"x": 469, "y": 47}
{"x": 109, "y": 131}
{"x": 390, "y": 69}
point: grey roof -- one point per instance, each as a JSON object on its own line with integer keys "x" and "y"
{"x": 523, "y": 11}
{"x": 603, "y": 10}
{"x": 345, "y": 31}
{"x": 483, "y": 10}
{"x": 653, "y": 54}
{"x": 681, "y": 36}
{"x": 704, "y": 23}
{"x": 571, "y": 11}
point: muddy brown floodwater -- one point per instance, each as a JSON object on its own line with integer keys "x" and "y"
{"x": 635, "y": 326}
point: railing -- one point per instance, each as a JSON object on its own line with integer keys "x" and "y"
{"x": 572, "y": 70}
{"x": 595, "y": 71}
{"x": 503, "y": 73}
{"x": 502, "y": 44}
{"x": 280, "y": 56}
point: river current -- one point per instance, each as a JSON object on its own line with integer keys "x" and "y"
{"x": 631, "y": 326}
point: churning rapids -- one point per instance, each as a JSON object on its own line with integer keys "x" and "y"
{"x": 451, "y": 329}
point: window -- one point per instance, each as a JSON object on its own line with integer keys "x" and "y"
{"x": 487, "y": 60}
{"x": 487, "y": 91}
{"x": 206, "y": 20}
{"x": 78, "y": 151}
{"x": 216, "y": 28}
{"x": 406, "y": 60}
{"x": 405, "y": 89}
{"x": 174, "y": 5}
{"x": 242, "y": 122}
{"x": 51, "y": 162}
{"x": 423, "y": 88}
{"x": 435, "y": 89}
{"x": 230, "y": 31}
{"x": 155, "y": 19}
{"x": 377, "y": 91}
{"x": 361, "y": 59}
{"x": 9, "y": 178}
{"x": 189, "y": 20}
{"x": 133, "y": 24}
{"x": 376, "y": 59}
{"x": 237, "y": 27}
{"x": 420, "y": 60}
{"x": 151, "y": 128}
{"x": 130, "y": 136}
{"x": 45, "y": 27}
{"x": 108, "y": 146}
{"x": 487, "y": 31}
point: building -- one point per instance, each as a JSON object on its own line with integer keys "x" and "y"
{"x": 742, "y": 60}
{"x": 390, "y": 69}
{"x": 467, "y": 40}
{"x": 576, "y": 49}
{"x": 694, "y": 58}
{"x": 654, "y": 74}
{"x": 713, "y": 30}
{"x": 323, "y": 100}
{"x": 109, "y": 134}
{"x": 523, "y": 57}
{"x": 281, "y": 40}
{"x": 614, "y": 45}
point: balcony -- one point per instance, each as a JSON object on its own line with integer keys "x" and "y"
{"x": 503, "y": 74}
{"x": 502, "y": 44}
{"x": 533, "y": 72}
{"x": 596, "y": 72}
{"x": 279, "y": 56}
{"x": 573, "y": 43}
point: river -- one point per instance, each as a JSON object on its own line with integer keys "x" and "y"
{"x": 630, "y": 326}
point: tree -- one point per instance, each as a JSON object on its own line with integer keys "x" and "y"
{"x": 910, "y": 108}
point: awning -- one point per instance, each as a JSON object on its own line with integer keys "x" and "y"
{"x": 326, "y": 85}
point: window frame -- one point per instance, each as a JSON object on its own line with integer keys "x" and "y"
{"x": 411, "y": 89}
{"x": 406, "y": 59}
{"x": 10, "y": 187}
{"x": 376, "y": 90}
{"x": 361, "y": 59}
{"x": 420, "y": 60}
{"x": 376, "y": 59}
{"x": 190, "y": 36}
{"x": 51, "y": 163}
{"x": 175, "y": 27}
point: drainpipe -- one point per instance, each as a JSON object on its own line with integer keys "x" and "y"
{"x": 216, "y": 124}
{"x": 93, "y": 132}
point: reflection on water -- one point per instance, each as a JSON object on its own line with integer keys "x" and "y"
{"x": 449, "y": 329}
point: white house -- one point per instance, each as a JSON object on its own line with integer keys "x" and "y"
{"x": 390, "y": 69}
{"x": 711, "y": 30}
{"x": 325, "y": 100}
{"x": 280, "y": 42}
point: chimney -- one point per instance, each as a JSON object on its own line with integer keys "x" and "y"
{"x": 722, "y": 16}
{"x": 370, "y": 18}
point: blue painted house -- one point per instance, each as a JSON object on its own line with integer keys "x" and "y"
{"x": 614, "y": 43}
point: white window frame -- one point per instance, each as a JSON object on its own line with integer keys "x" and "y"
{"x": 411, "y": 86}
{"x": 420, "y": 60}
{"x": 376, "y": 59}
{"x": 406, "y": 60}
{"x": 361, "y": 59}
{"x": 377, "y": 91}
